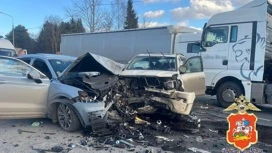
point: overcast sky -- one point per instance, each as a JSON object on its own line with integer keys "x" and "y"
{"x": 194, "y": 13}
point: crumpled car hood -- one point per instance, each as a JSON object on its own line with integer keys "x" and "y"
{"x": 94, "y": 63}
{"x": 147, "y": 73}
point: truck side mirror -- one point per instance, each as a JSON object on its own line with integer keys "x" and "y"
{"x": 202, "y": 49}
{"x": 194, "y": 47}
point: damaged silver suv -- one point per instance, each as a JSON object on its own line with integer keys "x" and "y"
{"x": 25, "y": 92}
{"x": 95, "y": 89}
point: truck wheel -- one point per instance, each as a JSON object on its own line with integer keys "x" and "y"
{"x": 67, "y": 118}
{"x": 227, "y": 92}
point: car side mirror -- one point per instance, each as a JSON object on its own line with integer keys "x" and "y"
{"x": 34, "y": 75}
{"x": 182, "y": 69}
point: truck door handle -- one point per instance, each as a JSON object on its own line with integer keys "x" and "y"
{"x": 225, "y": 62}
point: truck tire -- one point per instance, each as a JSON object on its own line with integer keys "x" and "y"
{"x": 226, "y": 93}
{"x": 67, "y": 118}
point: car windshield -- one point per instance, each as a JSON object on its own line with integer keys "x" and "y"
{"x": 60, "y": 65}
{"x": 7, "y": 52}
{"x": 153, "y": 63}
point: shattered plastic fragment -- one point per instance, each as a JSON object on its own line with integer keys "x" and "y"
{"x": 164, "y": 138}
{"x": 36, "y": 124}
{"x": 140, "y": 121}
{"x": 72, "y": 145}
{"x": 202, "y": 107}
{"x": 214, "y": 131}
{"x": 199, "y": 139}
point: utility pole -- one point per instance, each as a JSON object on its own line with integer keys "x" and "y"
{"x": 93, "y": 14}
{"x": 12, "y": 26}
{"x": 118, "y": 15}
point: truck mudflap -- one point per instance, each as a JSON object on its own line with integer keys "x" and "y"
{"x": 176, "y": 101}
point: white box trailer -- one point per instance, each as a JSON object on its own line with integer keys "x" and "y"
{"x": 122, "y": 45}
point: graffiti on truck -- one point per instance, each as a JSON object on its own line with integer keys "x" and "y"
{"x": 242, "y": 50}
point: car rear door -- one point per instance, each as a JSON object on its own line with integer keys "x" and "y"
{"x": 193, "y": 80}
{"x": 21, "y": 97}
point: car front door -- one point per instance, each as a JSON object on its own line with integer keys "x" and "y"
{"x": 20, "y": 96}
{"x": 193, "y": 79}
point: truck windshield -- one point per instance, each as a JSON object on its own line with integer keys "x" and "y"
{"x": 59, "y": 65}
{"x": 153, "y": 63}
{"x": 7, "y": 52}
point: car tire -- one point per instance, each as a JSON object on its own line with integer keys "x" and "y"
{"x": 67, "y": 118}
{"x": 226, "y": 93}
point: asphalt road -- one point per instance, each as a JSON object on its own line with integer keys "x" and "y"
{"x": 211, "y": 137}
{"x": 206, "y": 107}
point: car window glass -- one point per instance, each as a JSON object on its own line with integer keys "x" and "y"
{"x": 13, "y": 68}
{"x": 41, "y": 66}
{"x": 7, "y": 52}
{"x": 234, "y": 32}
{"x": 193, "y": 48}
{"x": 193, "y": 65}
{"x": 216, "y": 35}
{"x": 153, "y": 63}
{"x": 59, "y": 65}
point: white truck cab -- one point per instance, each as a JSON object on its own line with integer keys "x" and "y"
{"x": 237, "y": 53}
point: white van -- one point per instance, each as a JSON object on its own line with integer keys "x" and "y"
{"x": 6, "y": 48}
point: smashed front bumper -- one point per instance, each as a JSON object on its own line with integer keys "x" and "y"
{"x": 176, "y": 101}
{"x": 88, "y": 111}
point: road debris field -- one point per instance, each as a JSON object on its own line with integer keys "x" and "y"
{"x": 143, "y": 134}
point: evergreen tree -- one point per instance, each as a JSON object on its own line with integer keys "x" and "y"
{"x": 131, "y": 21}
{"x": 48, "y": 41}
{"x": 22, "y": 38}
{"x": 80, "y": 28}
{"x": 73, "y": 26}
{"x": 50, "y": 35}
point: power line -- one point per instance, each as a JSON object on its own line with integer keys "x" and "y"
{"x": 117, "y": 3}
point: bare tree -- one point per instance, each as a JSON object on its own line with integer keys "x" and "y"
{"x": 118, "y": 8}
{"x": 55, "y": 31}
{"x": 145, "y": 22}
{"x": 107, "y": 22}
{"x": 90, "y": 11}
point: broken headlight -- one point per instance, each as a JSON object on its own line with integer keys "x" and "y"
{"x": 83, "y": 96}
{"x": 170, "y": 85}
